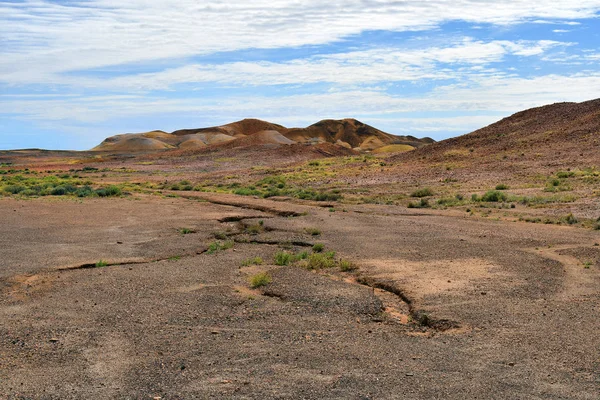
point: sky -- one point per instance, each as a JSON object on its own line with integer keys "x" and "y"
{"x": 74, "y": 72}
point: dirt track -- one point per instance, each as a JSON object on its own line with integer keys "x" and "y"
{"x": 510, "y": 309}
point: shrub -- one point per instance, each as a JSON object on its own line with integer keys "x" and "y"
{"x": 502, "y": 186}
{"x": 318, "y": 248}
{"x": 494, "y": 196}
{"x": 84, "y": 191}
{"x": 260, "y": 279}
{"x": 14, "y": 189}
{"x": 101, "y": 263}
{"x": 109, "y": 191}
{"x": 313, "y": 231}
{"x": 565, "y": 174}
{"x": 218, "y": 246}
{"x": 423, "y": 203}
{"x": 185, "y": 231}
{"x": 283, "y": 258}
{"x": 252, "y": 261}
{"x": 321, "y": 260}
{"x": 58, "y": 191}
{"x": 347, "y": 266}
{"x": 570, "y": 219}
{"x": 424, "y": 192}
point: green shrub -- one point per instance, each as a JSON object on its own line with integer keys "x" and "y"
{"x": 423, "y": 203}
{"x": 186, "y": 231}
{"x": 252, "y": 261}
{"x": 218, "y": 246}
{"x": 565, "y": 174}
{"x": 283, "y": 258}
{"x": 318, "y": 248}
{"x": 424, "y": 192}
{"x": 101, "y": 263}
{"x": 321, "y": 260}
{"x": 502, "y": 186}
{"x": 14, "y": 189}
{"x": 260, "y": 279}
{"x": 347, "y": 266}
{"x": 109, "y": 191}
{"x": 493, "y": 196}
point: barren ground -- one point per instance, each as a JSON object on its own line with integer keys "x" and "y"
{"x": 442, "y": 305}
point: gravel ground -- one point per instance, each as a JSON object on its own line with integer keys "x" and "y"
{"x": 519, "y": 309}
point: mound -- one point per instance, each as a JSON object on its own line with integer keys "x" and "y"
{"x": 356, "y": 134}
{"x": 131, "y": 143}
{"x": 245, "y": 127}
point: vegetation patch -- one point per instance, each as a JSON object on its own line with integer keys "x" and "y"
{"x": 260, "y": 279}
{"x": 424, "y": 192}
{"x": 219, "y": 246}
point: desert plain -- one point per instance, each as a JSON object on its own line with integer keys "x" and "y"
{"x": 331, "y": 262}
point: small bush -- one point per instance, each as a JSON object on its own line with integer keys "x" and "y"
{"x": 494, "y": 196}
{"x": 321, "y": 260}
{"x": 318, "y": 248}
{"x": 254, "y": 229}
{"x": 101, "y": 263}
{"x": 502, "y": 186}
{"x": 260, "y": 279}
{"x": 186, "y": 231}
{"x": 14, "y": 189}
{"x": 347, "y": 266}
{"x": 565, "y": 174}
{"x": 218, "y": 246}
{"x": 423, "y": 203}
{"x": 424, "y": 192}
{"x": 283, "y": 258}
{"x": 252, "y": 261}
{"x": 570, "y": 219}
{"x": 109, "y": 191}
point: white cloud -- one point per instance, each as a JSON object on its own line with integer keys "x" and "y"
{"x": 485, "y": 94}
{"x": 364, "y": 67}
{"x": 45, "y": 37}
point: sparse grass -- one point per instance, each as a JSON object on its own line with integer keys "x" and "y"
{"x": 570, "y": 219}
{"x": 423, "y": 203}
{"x": 186, "y": 231}
{"x": 220, "y": 235}
{"x": 313, "y": 231}
{"x": 101, "y": 264}
{"x": 587, "y": 264}
{"x": 219, "y": 246}
{"x": 424, "y": 192}
{"x": 252, "y": 261}
{"x": 260, "y": 279}
{"x": 318, "y": 248}
{"x": 347, "y": 266}
{"x": 254, "y": 229}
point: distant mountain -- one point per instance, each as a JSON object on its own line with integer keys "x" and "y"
{"x": 348, "y": 133}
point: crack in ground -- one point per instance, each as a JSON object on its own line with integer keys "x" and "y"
{"x": 419, "y": 316}
{"x": 257, "y": 207}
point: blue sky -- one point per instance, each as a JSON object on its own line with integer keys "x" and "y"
{"x": 75, "y": 72}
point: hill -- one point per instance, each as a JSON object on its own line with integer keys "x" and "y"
{"x": 348, "y": 133}
{"x": 559, "y": 134}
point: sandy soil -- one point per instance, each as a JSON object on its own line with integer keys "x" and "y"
{"x": 442, "y": 306}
